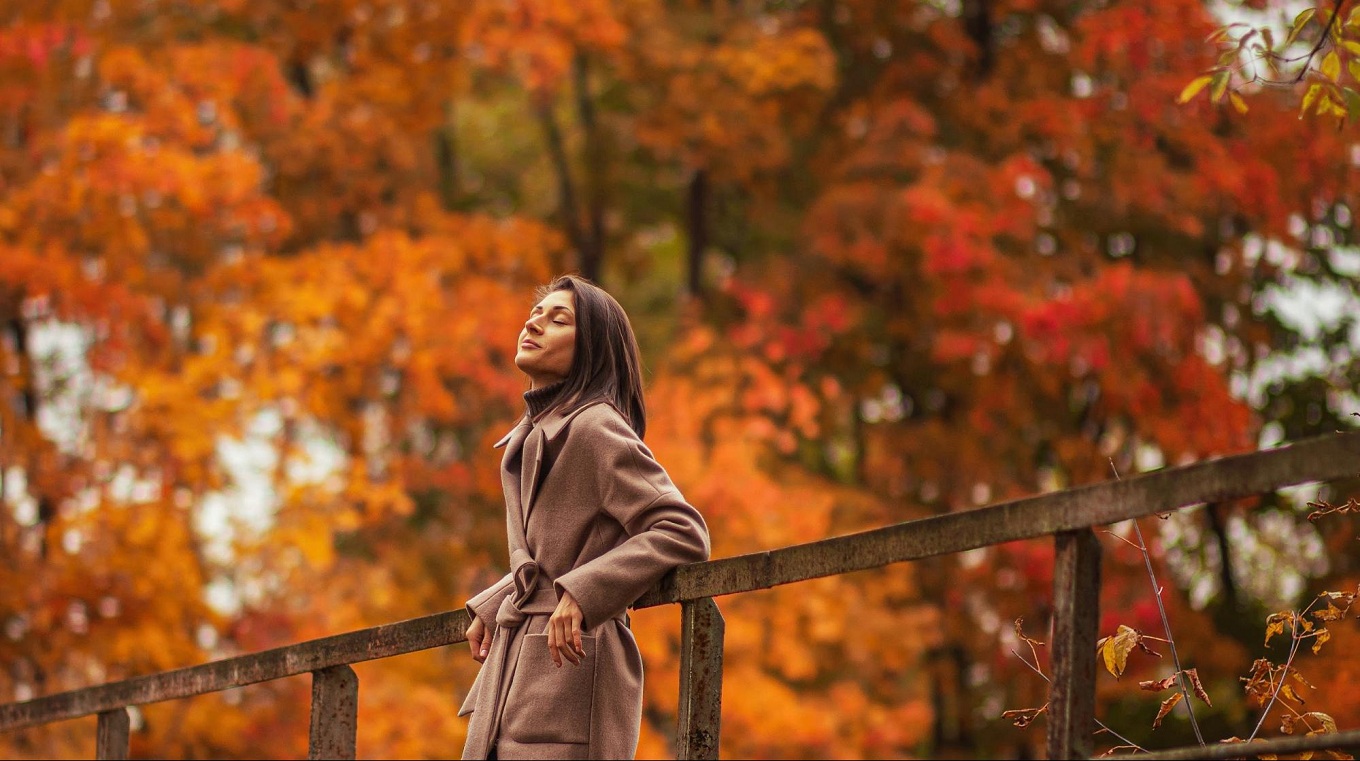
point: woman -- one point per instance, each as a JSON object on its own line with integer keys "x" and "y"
{"x": 593, "y": 522}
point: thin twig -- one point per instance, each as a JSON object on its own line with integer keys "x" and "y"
{"x": 1293, "y": 651}
{"x": 1326, "y": 30}
{"x": 1099, "y": 723}
{"x": 1307, "y": 58}
{"x": 1166, "y": 624}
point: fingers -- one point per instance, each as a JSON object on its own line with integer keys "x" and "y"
{"x": 479, "y": 641}
{"x": 564, "y": 634}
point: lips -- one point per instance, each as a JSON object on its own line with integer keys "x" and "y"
{"x": 527, "y": 344}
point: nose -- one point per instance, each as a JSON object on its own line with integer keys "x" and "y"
{"x": 531, "y": 326}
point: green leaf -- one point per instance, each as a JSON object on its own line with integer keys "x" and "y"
{"x": 1299, "y": 22}
{"x": 1219, "y": 85}
{"x": 1331, "y": 66}
{"x": 1353, "y": 111}
{"x": 1192, "y": 89}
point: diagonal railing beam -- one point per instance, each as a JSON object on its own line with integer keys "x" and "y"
{"x": 1274, "y": 748}
{"x": 1321, "y": 459}
{"x": 314, "y": 655}
{"x": 1325, "y": 458}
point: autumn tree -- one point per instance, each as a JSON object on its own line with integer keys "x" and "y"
{"x": 263, "y": 263}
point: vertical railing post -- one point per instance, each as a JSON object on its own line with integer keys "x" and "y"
{"x": 1076, "y": 620}
{"x": 701, "y": 660}
{"x": 111, "y": 736}
{"x": 335, "y": 713}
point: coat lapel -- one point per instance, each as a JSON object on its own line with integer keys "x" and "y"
{"x": 534, "y": 444}
{"x": 537, "y": 443}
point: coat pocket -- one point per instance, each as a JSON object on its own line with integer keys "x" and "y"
{"x": 547, "y": 704}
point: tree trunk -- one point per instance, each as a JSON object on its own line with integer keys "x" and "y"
{"x": 1214, "y": 513}
{"x": 566, "y": 187}
{"x": 592, "y": 257}
{"x": 977, "y": 22}
{"x": 446, "y": 160}
{"x": 697, "y": 218}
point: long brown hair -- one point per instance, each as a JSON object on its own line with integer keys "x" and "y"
{"x": 607, "y": 364}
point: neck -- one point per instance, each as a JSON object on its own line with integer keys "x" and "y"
{"x": 540, "y": 397}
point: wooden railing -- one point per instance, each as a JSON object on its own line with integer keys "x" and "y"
{"x": 1069, "y": 516}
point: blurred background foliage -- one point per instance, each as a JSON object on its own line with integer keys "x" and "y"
{"x": 262, "y": 263}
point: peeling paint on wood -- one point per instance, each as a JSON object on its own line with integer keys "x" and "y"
{"x": 111, "y": 738}
{"x": 1076, "y": 622}
{"x": 335, "y": 713}
{"x": 702, "y": 631}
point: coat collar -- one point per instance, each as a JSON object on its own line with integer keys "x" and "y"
{"x": 552, "y": 424}
{"x": 548, "y": 429}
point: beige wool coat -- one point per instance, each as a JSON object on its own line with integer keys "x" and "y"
{"x": 605, "y": 524}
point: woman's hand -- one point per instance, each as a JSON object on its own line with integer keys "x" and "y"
{"x": 478, "y": 641}
{"x": 564, "y": 631}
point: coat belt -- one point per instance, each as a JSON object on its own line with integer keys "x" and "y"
{"x": 534, "y": 595}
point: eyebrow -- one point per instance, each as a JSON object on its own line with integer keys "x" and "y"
{"x": 562, "y": 307}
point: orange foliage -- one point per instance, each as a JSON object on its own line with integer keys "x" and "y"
{"x": 261, "y": 264}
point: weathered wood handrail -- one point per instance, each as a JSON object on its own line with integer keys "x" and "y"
{"x": 1324, "y": 458}
{"x": 1068, "y": 516}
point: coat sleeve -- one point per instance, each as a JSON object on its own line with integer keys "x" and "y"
{"x": 485, "y": 603}
{"x": 664, "y": 531}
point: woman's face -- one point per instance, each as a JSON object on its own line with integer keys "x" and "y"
{"x": 547, "y": 343}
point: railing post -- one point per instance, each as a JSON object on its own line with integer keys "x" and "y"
{"x": 701, "y": 659}
{"x": 111, "y": 736}
{"x": 335, "y": 713}
{"x": 1076, "y": 620}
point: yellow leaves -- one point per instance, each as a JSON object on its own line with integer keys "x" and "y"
{"x": 1276, "y": 622}
{"x": 1321, "y": 636}
{"x": 1193, "y": 89}
{"x": 1331, "y": 65}
{"x": 1114, "y": 650}
{"x": 1314, "y": 722}
{"x": 1309, "y": 98}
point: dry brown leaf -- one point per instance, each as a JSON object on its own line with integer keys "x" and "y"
{"x": 1328, "y": 723}
{"x": 1322, "y": 636}
{"x": 1021, "y": 634}
{"x": 1023, "y": 717}
{"x": 1157, "y": 685}
{"x": 1167, "y": 705}
{"x": 1276, "y": 622}
{"x": 1193, "y": 676}
{"x": 1332, "y": 613}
